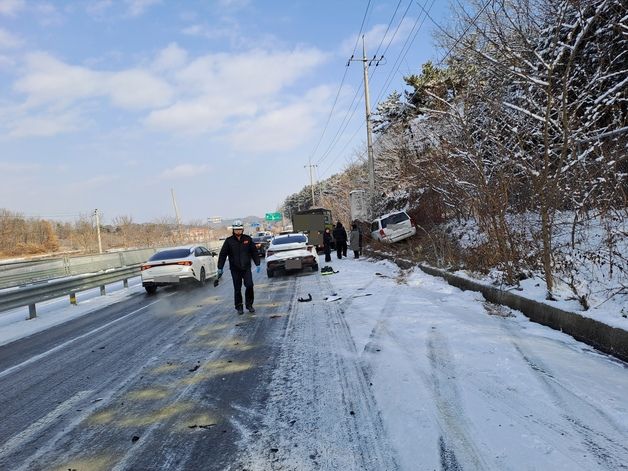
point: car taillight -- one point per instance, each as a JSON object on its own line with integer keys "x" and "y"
{"x": 187, "y": 263}
{"x": 382, "y": 233}
{"x": 269, "y": 253}
{"x": 309, "y": 248}
{"x": 258, "y": 245}
{"x": 145, "y": 267}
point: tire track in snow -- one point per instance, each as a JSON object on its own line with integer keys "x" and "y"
{"x": 321, "y": 413}
{"x": 455, "y": 436}
{"x": 606, "y": 449}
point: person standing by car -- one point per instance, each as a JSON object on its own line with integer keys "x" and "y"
{"x": 340, "y": 236}
{"x": 327, "y": 239}
{"x": 240, "y": 249}
{"x": 355, "y": 240}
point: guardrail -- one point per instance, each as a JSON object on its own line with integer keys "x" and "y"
{"x": 31, "y": 295}
{"x": 19, "y": 274}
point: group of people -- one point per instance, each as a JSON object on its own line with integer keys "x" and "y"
{"x": 339, "y": 235}
{"x": 240, "y": 249}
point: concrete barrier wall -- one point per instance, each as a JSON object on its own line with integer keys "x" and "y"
{"x": 605, "y": 338}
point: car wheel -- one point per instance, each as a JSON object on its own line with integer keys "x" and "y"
{"x": 269, "y": 273}
{"x": 203, "y": 277}
{"x": 150, "y": 289}
{"x": 315, "y": 267}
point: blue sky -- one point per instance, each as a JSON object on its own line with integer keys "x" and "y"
{"x": 109, "y": 104}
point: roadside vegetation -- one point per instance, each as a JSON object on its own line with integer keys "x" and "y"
{"x": 511, "y": 154}
{"x": 22, "y": 236}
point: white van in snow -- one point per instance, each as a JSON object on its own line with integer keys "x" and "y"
{"x": 393, "y": 227}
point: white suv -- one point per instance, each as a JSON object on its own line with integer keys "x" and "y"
{"x": 393, "y": 227}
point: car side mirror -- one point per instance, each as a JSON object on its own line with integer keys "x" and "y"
{"x": 214, "y": 254}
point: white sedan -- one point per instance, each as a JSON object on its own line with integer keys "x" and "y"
{"x": 177, "y": 265}
{"x": 290, "y": 252}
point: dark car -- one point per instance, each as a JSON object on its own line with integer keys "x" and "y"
{"x": 262, "y": 243}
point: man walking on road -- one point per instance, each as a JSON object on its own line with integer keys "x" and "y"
{"x": 240, "y": 249}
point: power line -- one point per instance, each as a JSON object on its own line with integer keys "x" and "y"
{"x": 472, "y": 22}
{"x": 344, "y": 76}
{"x": 406, "y": 46}
{"x": 353, "y": 108}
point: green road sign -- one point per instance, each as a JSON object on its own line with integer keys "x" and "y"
{"x": 273, "y": 216}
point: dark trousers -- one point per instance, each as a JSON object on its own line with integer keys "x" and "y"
{"x": 238, "y": 277}
{"x": 341, "y": 249}
{"x": 356, "y": 253}
{"x": 327, "y": 253}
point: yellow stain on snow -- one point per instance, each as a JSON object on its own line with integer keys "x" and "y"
{"x": 164, "y": 369}
{"x": 186, "y": 311}
{"x": 102, "y": 417}
{"x": 157, "y": 416}
{"x": 210, "y": 300}
{"x": 211, "y": 329}
{"x": 216, "y": 368}
{"x": 152, "y": 394}
{"x": 95, "y": 463}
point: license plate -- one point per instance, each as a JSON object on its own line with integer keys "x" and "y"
{"x": 294, "y": 264}
{"x": 166, "y": 279}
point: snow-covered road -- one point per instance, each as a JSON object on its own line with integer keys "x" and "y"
{"x": 407, "y": 372}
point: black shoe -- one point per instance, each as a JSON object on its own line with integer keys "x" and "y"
{"x": 240, "y": 310}
{"x": 251, "y": 309}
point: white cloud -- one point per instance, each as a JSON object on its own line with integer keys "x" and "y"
{"x": 6, "y": 62}
{"x": 172, "y": 57}
{"x": 282, "y": 128}
{"x": 50, "y": 81}
{"x": 137, "y": 89}
{"x": 184, "y": 171}
{"x": 98, "y": 7}
{"x": 226, "y": 86}
{"x": 138, "y": 7}
{"x": 374, "y": 37}
{"x": 8, "y": 40}
{"x": 11, "y": 7}
{"x": 45, "y": 125}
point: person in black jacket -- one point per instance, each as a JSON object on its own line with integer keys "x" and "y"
{"x": 240, "y": 249}
{"x": 340, "y": 235}
{"x": 327, "y": 239}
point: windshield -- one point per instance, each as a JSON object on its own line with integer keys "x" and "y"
{"x": 170, "y": 254}
{"x": 292, "y": 239}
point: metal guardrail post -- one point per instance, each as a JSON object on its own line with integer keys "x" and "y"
{"x": 102, "y": 290}
{"x": 73, "y": 299}
{"x": 125, "y": 283}
{"x": 32, "y": 311}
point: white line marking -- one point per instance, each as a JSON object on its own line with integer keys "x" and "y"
{"x": 69, "y": 342}
{"x": 38, "y": 426}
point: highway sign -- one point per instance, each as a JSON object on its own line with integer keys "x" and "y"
{"x": 273, "y": 216}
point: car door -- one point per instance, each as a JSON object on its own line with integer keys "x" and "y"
{"x": 210, "y": 262}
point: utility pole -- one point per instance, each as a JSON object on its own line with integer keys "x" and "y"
{"x": 369, "y": 126}
{"x": 311, "y": 181}
{"x": 98, "y": 230}
{"x": 176, "y": 212}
